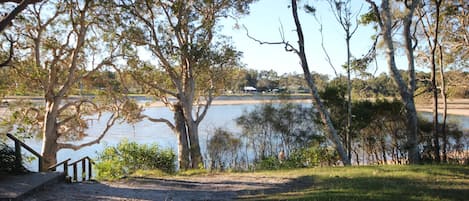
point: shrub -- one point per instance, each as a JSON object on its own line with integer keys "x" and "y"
{"x": 222, "y": 149}
{"x": 7, "y": 161}
{"x": 268, "y": 163}
{"x": 305, "y": 157}
{"x": 128, "y": 157}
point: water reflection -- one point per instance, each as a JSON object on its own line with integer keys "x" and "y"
{"x": 148, "y": 132}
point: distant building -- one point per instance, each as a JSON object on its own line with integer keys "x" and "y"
{"x": 248, "y": 89}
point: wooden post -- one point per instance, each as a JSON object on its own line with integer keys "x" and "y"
{"x": 75, "y": 172}
{"x": 18, "y": 158}
{"x": 83, "y": 170}
{"x": 66, "y": 168}
{"x": 90, "y": 169}
{"x": 40, "y": 164}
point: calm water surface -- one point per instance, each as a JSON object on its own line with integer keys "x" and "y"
{"x": 148, "y": 132}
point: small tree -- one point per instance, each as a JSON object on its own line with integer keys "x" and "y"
{"x": 223, "y": 149}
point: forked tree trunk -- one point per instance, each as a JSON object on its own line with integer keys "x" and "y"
{"x": 49, "y": 134}
{"x": 192, "y": 128}
{"x": 445, "y": 105}
{"x": 406, "y": 91}
{"x": 181, "y": 133}
{"x": 196, "y": 156}
{"x": 433, "y": 45}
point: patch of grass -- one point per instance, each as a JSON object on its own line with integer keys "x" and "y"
{"x": 192, "y": 172}
{"x": 155, "y": 173}
{"x": 426, "y": 182}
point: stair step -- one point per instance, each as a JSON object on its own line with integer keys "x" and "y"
{"x": 15, "y": 187}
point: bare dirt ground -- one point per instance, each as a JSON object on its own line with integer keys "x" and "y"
{"x": 199, "y": 188}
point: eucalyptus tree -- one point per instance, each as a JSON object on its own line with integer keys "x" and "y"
{"x": 430, "y": 14}
{"x": 63, "y": 43}
{"x": 452, "y": 50}
{"x": 387, "y": 18}
{"x": 189, "y": 60}
{"x": 322, "y": 110}
{"x": 299, "y": 50}
{"x": 444, "y": 28}
{"x": 342, "y": 11}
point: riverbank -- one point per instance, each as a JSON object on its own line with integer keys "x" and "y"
{"x": 455, "y": 106}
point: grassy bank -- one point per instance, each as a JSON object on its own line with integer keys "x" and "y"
{"x": 427, "y": 182}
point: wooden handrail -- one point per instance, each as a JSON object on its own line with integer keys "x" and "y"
{"x": 18, "y": 145}
{"x": 24, "y": 145}
{"x": 58, "y": 164}
{"x": 65, "y": 163}
{"x": 82, "y": 159}
{"x": 83, "y": 168}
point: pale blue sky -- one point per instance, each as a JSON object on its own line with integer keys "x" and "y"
{"x": 264, "y": 22}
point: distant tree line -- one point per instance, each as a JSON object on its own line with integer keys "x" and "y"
{"x": 378, "y": 133}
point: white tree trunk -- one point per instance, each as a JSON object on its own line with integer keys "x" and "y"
{"x": 49, "y": 133}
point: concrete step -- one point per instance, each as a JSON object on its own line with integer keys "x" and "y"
{"x": 15, "y": 187}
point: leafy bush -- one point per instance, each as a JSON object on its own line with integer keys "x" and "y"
{"x": 222, "y": 149}
{"x": 305, "y": 157}
{"x": 7, "y": 161}
{"x": 128, "y": 157}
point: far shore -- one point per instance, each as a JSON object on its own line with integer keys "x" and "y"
{"x": 455, "y": 106}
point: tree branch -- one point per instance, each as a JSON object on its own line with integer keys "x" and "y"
{"x": 159, "y": 120}
{"x": 11, "y": 52}
{"x": 109, "y": 124}
{"x": 288, "y": 46}
{"x": 12, "y": 15}
{"x": 328, "y": 58}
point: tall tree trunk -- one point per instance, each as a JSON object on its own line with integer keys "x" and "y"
{"x": 181, "y": 133}
{"x": 325, "y": 116}
{"x": 436, "y": 141}
{"x": 445, "y": 105}
{"x": 196, "y": 156}
{"x": 385, "y": 21}
{"x": 349, "y": 101}
{"x": 49, "y": 134}
{"x": 383, "y": 151}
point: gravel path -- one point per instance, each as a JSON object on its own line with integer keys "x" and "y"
{"x": 218, "y": 187}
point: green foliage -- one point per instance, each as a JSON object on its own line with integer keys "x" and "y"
{"x": 268, "y": 163}
{"x": 155, "y": 173}
{"x": 7, "y": 160}
{"x": 128, "y": 157}
{"x": 270, "y": 128}
{"x": 310, "y": 156}
{"x": 192, "y": 172}
{"x": 222, "y": 149}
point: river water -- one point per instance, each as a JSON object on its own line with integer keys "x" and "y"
{"x": 148, "y": 132}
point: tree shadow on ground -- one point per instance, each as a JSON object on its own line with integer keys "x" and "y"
{"x": 373, "y": 188}
{"x": 166, "y": 189}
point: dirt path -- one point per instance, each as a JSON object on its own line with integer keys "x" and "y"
{"x": 214, "y": 187}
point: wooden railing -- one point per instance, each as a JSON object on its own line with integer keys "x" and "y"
{"x": 18, "y": 157}
{"x": 65, "y": 166}
{"x": 83, "y": 169}
{"x": 65, "y": 163}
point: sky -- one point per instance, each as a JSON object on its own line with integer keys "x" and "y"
{"x": 266, "y": 19}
